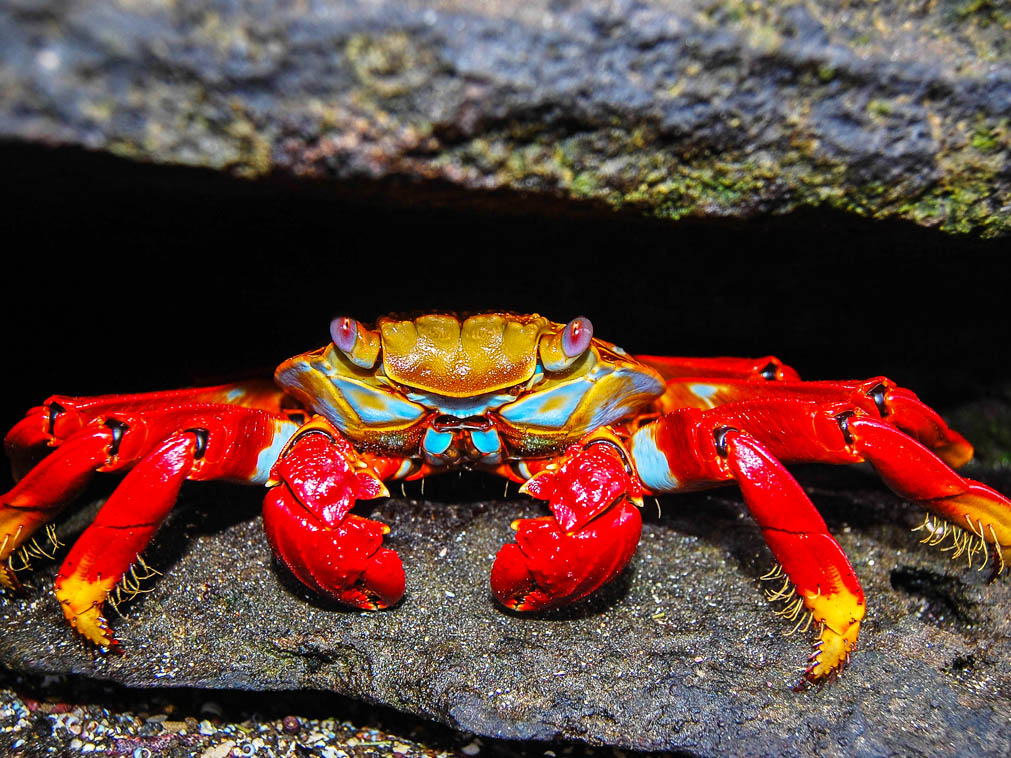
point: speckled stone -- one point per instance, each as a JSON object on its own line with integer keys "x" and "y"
{"x": 676, "y": 108}
{"x": 682, "y": 652}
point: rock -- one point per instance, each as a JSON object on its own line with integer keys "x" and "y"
{"x": 682, "y": 653}
{"x": 702, "y": 109}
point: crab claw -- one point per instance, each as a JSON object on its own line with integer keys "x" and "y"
{"x": 548, "y": 568}
{"x": 346, "y": 563}
{"x": 589, "y": 539}
{"x": 307, "y": 521}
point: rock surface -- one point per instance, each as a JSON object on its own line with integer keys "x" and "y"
{"x": 683, "y": 653}
{"x": 704, "y": 108}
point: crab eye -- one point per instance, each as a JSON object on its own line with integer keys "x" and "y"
{"x": 576, "y": 336}
{"x": 561, "y": 349}
{"x": 359, "y": 344}
{"x": 344, "y": 333}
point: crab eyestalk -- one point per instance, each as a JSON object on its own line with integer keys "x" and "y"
{"x": 560, "y": 350}
{"x": 307, "y": 521}
{"x": 359, "y": 344}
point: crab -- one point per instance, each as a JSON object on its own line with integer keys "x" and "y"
{"x": 575, "y": 420}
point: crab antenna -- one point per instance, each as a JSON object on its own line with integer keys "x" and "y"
{"x": 562, "y": 349}
{"x": 359, "y": 344}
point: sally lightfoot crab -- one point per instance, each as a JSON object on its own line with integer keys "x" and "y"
{"x": 575, "y": 420}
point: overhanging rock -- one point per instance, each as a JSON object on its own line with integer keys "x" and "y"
{"x": 675, "y": 109}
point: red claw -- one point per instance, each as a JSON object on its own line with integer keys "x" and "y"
{"x": 593, "y": 477}
{"x": 346, "y": 562}
{"x": 321, "y": 473}
{"x": 308, "y": 525}
{"x": 548, "y": 568}
{"x": 588, "y": 541}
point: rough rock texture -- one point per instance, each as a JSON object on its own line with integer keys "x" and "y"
{"x": 682, "y": 653}
{"x": 672, "y": 107}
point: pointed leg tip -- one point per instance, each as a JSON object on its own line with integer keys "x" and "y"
{"x": 530, "y": 601}
{"x": 93, "y": 626}
{"x": 803, "y": 684}
{"x": 829, "y": 658}
{"x": 82, "y": 602}
{"x": 365, "y": 599}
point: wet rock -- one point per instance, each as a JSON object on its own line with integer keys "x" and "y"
{"x": 706, "y": 108}
{"x": 681, "y": 653}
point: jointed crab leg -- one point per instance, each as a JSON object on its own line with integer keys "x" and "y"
{"x": 101, "y": 556}
{"x": 878, "y": 397}
{"x": 766, "y": 369}
{"x": 747, "y": 441}
{"x": 159, "y": 448}
{"x": 915, "y": 473}
{"x": 60, "y": 416}
{"x": 799, "y": 539}
{"x": 692, "y": 449}
{"x": 46, "y": 490}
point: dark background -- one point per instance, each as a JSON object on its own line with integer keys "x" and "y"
{"x": 124, "y": 277}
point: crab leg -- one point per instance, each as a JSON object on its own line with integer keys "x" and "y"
{"x": 159, "y": 448}
{"x": 764, "y": 369}
{"x": 46, "y": 490}
{"x": 127, "y": 521}
{"x": 748, "y": 441}
{"x": 799, "y": 431}
{"x": 692, "y": 449}
{"x": 60, "y": 416}
{"x": 878, "y": 397}
{"x": 916, "y": 473}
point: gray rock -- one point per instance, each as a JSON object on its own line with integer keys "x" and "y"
{"x": 681, "y": 653}
{"x": 674, "y": 108}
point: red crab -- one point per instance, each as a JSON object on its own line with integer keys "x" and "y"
{"x": 576, "y": 420}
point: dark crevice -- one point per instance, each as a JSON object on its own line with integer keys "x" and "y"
{"x": 945, "y": 600}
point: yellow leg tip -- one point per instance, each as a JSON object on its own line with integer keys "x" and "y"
{"x": 82, "y": 602}
{"x": 92, "y": 625}
{"x": 831, "y": 653}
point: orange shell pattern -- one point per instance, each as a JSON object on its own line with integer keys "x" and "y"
{"x": 486, "y": 353}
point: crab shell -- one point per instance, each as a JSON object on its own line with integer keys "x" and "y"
{"x": 514, "y": 370}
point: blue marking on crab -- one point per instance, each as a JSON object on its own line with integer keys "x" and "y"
{"x": 461, "y": 407}
{"x": 486, "y": 442}
{"x": 436, "y": 443}
{"x": 550, "y": 408}
{"x": 376, "y": 407}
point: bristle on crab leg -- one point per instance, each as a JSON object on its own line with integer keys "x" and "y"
{"x": 793, "y": 604}
{"x": 817, "y": 577}
{"x": 972, "y": 540}
{"x": 129, "y": 586}
{"x": 976, "y": 518}
{"x": 21, "y": 559}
